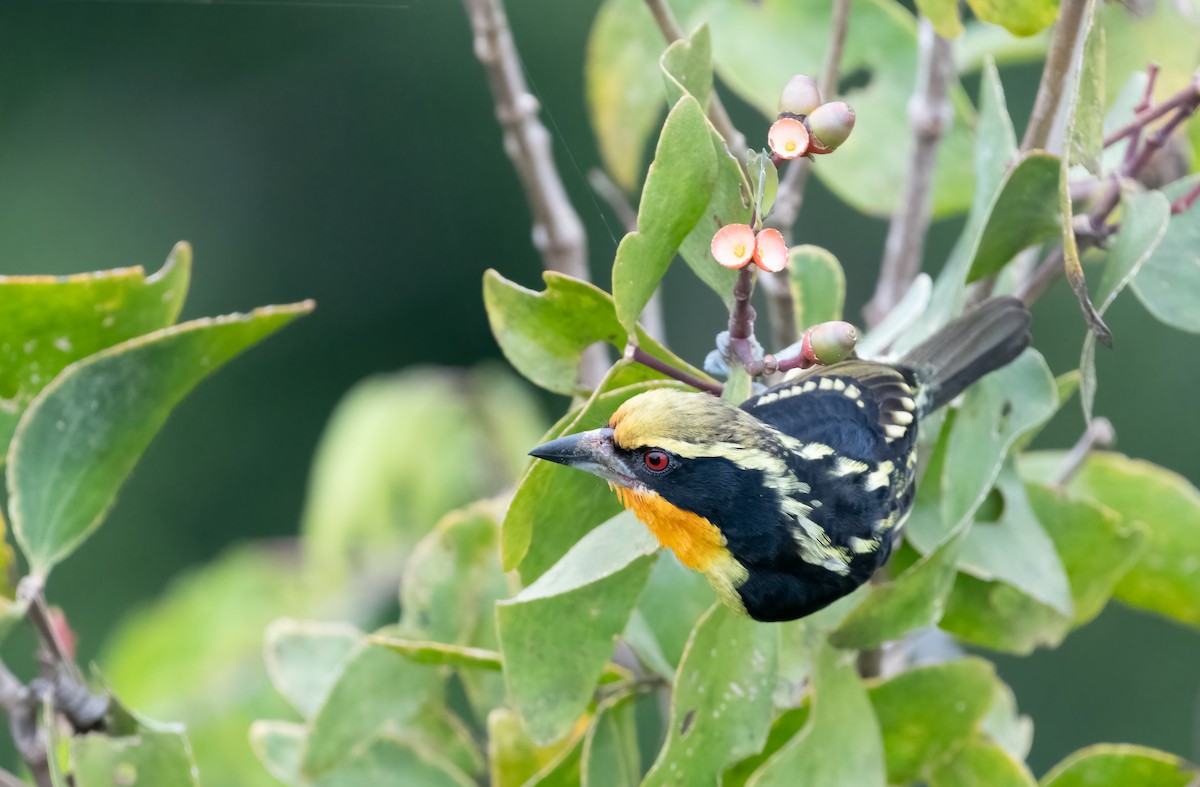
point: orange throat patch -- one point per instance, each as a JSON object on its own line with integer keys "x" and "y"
{"x": 697, "y": 542}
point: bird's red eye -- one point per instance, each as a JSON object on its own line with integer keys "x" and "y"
{"x": 656, "y": 461}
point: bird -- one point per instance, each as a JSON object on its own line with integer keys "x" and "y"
{"x": 794, "y": 498}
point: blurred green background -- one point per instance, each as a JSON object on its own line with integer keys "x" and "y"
{"x": 348, "y": 152}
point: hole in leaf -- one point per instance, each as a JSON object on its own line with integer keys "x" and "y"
{"x": 688, "y": 718}
{"x": 857, "y": 79}
{"x": 992, "y": 508}
{"x": 1001, "y": 425}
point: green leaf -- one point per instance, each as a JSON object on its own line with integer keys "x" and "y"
{"x": 371, "y": 497}
{"x": 195, "y": 654}
{"x": 1009, "y": 729}
{"x": 913, "y": 600}
{"x": 943, "y": 14}
{"x": 1096, "y": 549}
{"x": 1164, "y": 579}
{"x": 305, "y": 658}
{"x": 610, "y": 746}
{"x": 721, "y": 699}
{"x": 674, "y": 599}
{"x": 278, "y": 745}
{"x": 421, "y": 652}
{"x": 512, "y": 757}
{"x": 818, "y": 285}
{"x": 1144, "y": 221}
{"x": 1168, "y": 284}
{"x": 53, "y": 321}
{"x": 1019, "y": 17}
{"x": 376, "y": 690}
{"x": 995, "y": 413}
{"x": 543, "y": 334}
{"x": 840, "y": 743}
{"x": 1111, "y": 763}
{"x": 82, "y": 435}
{"x": 764, "y": 181}
{"x": 392, "y": 761}
{"x": 454, "y": 578}
{"x": 678, "y": 187}
{"x": 1025, "y": 213}
{"x": 1013, "y": 548}
{"x": 928, "y": 712}
{"x": 158, "y": 757}
{"x": 788, "y": 37}
{"x": 738, "y": 386}
{"x": 687, "y": 68}
{"x": 981, "y": 763}
{"x": 1087, "y": 130}
{"x": 995, "y": 151}
{"x": 786, "y": 726}
{"x": 554, "y": 506}
{"x": 557, "y": 634}
{"x": 1095, "y": 545}
{"x": 620, "y": 82}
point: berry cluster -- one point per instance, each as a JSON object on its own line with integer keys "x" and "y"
{"x": 805, "y": 125}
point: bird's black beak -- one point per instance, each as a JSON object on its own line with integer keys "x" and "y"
{"x": 591, "y": 451}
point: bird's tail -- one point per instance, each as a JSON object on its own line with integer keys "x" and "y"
{"x": 979, "y": 342}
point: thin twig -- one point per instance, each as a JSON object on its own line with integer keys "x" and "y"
{"x": 741, "y": 317}
{"x": 558, "y": 232}
{"x": 21, "y": 704}
{"x": 1099, "y": 434}
{"x": 1054, "y": 74}
{"x": 639, "y": 355}
{"x": 1096, "y": 219}
{"x": 1184, "y": 203}
{"x": 1145, "y": 117}
{"x": 930, "y": 115}
{"x": 790, "y": 195}
{"x": 672, "y": 32}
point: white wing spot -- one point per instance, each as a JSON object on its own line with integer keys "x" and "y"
{"x": 880, "y": 477}
{"x": 826, "y": 384}
{"x": 894, "y": 431}
{"x": 846, "y": 466}
{"x": 815, "y": 451}
{"x": 852, "y": 391}
{"x": 907, "y": 403}
{"x": 862, "y": 546}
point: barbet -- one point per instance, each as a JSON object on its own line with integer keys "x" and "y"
{"x": 795, "y": 498}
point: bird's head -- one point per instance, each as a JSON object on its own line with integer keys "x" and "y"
{"x": 663, "y": 441}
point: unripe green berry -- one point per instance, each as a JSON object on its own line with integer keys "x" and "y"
{"x": 800, "y": 95}
{"x": 832, "y": 341}
{"x": 830, "y": 124}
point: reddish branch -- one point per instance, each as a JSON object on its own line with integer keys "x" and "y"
{"x": 1184, "y": 104}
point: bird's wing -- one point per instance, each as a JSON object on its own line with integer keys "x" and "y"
{"x": 854, "y": 404}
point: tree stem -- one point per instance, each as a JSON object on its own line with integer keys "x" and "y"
{"x": 558, "y": 232}
{"x": 646, "y": 359}
{"x": 930, "y": 114}
{"x": 1054, "y": 74}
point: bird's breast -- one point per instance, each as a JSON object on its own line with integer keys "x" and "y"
{"x": 697, "y": 542}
